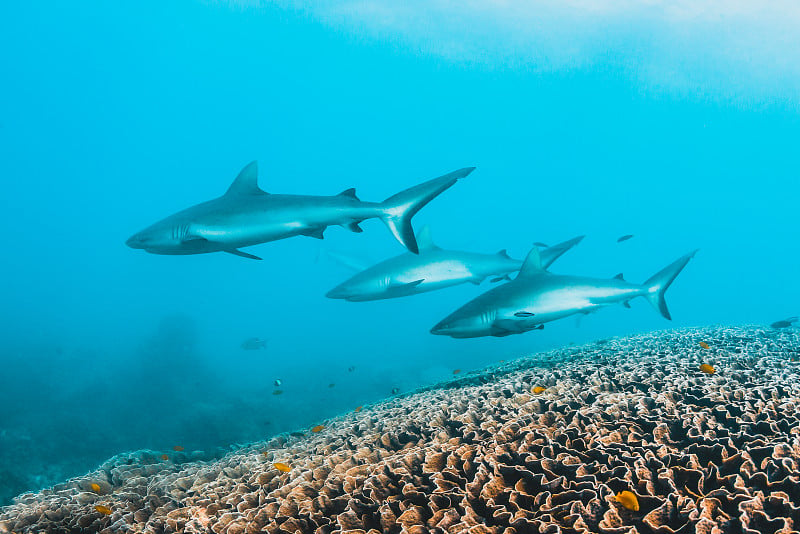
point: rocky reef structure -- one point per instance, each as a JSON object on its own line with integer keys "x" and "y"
{"x": 707, "y": 453}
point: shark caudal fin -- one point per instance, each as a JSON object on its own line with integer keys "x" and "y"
{"x": 658, "y": 284}
{"x": 551, "y": 254}
{"x": 400, "y": 208}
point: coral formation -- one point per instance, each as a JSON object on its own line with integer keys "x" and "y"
{"x": 482, "y": 454}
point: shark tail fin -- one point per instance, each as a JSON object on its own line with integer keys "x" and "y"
{"x": 658, "y": 284}
{"x": 398, "y": 209}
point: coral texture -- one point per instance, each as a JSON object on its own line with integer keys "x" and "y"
{"x": 484, "y": 454}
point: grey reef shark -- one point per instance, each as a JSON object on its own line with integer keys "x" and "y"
{"x": 246, "y": 215}
{"x": 536, "y": 297}
{"x": 434, "y": 268}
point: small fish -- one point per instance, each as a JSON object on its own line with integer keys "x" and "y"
{"x": 254, "y": 343}
{"x": 331, "y": 385}
{"x": 177, "y": 448}
{"x": 278, "y": 382}
{"x": 283, "y": 468}
{"x": 628, "y": 500}
{"x": 164, "y": 457}
{"x": 105, "y": 510}
{"x": 95, "y": 487}
{"x": 395, "y": 391}
{"x": 317, "y": 428}
{"x": 278, "y": 392}
{"x": 540, "y": 244}
{"x": 456, "y": 371}
{"x": 707, "y": 369}
{"x": 538, "y": 389}
{"x": 358, "y": 408}
{"x": 704, "y": 345}
{"x": 297, "y": 434}
{"x": 785, "y": 323}
{"x": 620, "y": 240}
{"x": 351, "y": 368}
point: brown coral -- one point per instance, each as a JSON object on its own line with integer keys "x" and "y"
{"x": 702, "y": 453}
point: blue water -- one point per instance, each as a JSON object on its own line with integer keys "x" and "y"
{"x": 681, "y": 130}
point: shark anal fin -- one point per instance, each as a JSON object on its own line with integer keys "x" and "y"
{"x": 354, "y": 227}
{"x": 349, "y": 193}
{"x": 315, "y": 232}
{"x": 237, "y": 252}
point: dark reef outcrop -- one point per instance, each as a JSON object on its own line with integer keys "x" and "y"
{"x": 485, "y": 454}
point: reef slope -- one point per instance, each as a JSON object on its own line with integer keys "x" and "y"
{"x": 484, "y": 454}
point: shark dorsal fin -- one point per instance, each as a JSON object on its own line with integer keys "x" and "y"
{"x": 504, "y": 254}
{"x": 619, "y": 277}
{"x": 532, "y": 264}
{"x": 247, "y": 181}
{"x": 349, "y": 193}
{"x": 425, "y": 239}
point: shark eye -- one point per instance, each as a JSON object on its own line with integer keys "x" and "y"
{"x": 524, "y": 314}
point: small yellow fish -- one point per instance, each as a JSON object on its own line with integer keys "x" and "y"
{"x": 177, "y": 448}
{"x": 709, "y": 370}
{"x": 538, "y": 389}
{"x": 456, "y": 371}
{"x": 317, "y": 428}
{"x": 105, "y": 510}
{"x": 628, "y": 500}
{"x": 358, "y": 408}
{"x": 95, "y": 487}
{"x": 283, "y": 468}
{"x": 704, "y": 345}
{"x": 164, "y": 457}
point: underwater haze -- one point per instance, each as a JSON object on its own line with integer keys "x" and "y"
{"x": 675, "y": 123}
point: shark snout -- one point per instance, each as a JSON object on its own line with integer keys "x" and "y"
{"x": 338, "y": 292}
{"x": 136, "y": 241}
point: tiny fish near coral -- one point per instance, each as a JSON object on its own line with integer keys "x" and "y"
{"x": 317, "y": 428}
{"x": 628, "y": 500}
{"x": 704, "y": 345}
{"x": 707, "y": 369}
{"x": 283, "y": 468}
{"x": 177, "y": 448}
{"x": 105, "y": 510}
{"x": 538, "y": 389}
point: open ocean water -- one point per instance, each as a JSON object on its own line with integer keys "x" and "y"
{"x": 674, "y": 123}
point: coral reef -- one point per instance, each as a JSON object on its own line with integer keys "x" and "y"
{"x": 707, "y": 453}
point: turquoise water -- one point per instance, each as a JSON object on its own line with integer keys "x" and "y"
{"x": 677, "y": 125}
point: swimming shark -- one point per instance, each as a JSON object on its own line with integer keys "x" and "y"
{"x": 246, "y": 215}
{"x": 536, "y": 297}
{"x": 434, "y": 268}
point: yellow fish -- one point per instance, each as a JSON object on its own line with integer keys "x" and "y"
{"x": 105, "y": 510}
{"x": 456, "y": 371}
{"x": 317, "y": 428}
{"x": 95, "y": 487}
{"x": 358, "y": 408}
{"x": 538, "y": 389}
{"x": 709, "y": 370}
{"x": 164, "y": 457}
{"x": 704, "y": 345}
{"x": 283, "y": 468}
{"x": 628, "y": 500}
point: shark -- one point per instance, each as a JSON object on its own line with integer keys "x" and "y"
{"x": 246, "y": 215}
{"x": 536, "y": 297}
{"x": 434, "y": 268}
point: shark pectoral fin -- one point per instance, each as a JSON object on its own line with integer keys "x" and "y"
{"x": 509, "y": 326}
{"x": 500, "y": 279}
{"x": 193, "y": 239}
{"x": 415, "y": 283}
{"x": 315, "y": 232}
{"x": 627, "y": 304}
{"x": 354, "y": 227}
{"x": 237, "y": 252}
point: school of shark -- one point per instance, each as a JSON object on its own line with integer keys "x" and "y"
{"x": 246, "y": 215}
